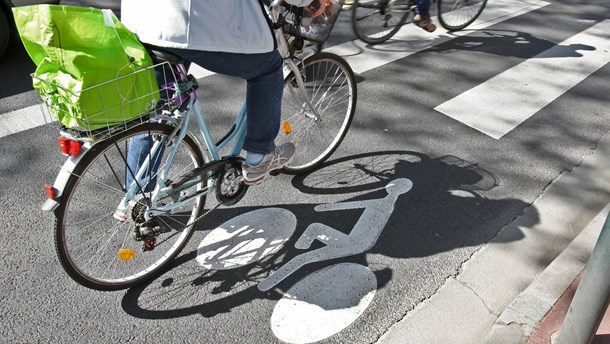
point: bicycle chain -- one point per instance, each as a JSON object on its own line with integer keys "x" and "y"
{"x": 149, "y": 241}
{"x": 202, "y": 215}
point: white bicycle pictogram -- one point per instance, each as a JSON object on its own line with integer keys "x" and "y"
{"x": 362, "y": 237}
{"x": 328, "y": 299}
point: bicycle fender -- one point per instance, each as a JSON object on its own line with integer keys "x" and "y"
{"x": 62, "y": 178}
{"x": 305, "y": 54}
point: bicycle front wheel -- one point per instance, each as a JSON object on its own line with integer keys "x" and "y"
{"x": 101, "y": 251}
{"x": 455, "y": 15}
{"x": 330, "y": 86}
{"x": 376, "y": 21}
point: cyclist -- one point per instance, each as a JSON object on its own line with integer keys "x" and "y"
{"x": 422, "y": 16}
{"x": 233, "y": 38}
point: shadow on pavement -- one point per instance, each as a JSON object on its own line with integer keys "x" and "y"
{"x": 445, "y": 210}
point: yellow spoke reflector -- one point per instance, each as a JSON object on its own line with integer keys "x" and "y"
{"x": 126, "y": 254}
{"x": 286, "y": 128}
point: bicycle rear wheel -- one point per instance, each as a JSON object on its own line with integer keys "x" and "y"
{"x": 97, "y": 250}
{"x": 330, "y": 85}
{"x": 376, "y": 21}
{"x": 455, "y": 15}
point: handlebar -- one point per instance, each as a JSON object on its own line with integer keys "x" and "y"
{"x": 286, "y": 21}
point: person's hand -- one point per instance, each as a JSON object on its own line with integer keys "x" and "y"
{"x": 318, "y": 7}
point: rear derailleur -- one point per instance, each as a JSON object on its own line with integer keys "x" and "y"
{"x": 147, "y": 231}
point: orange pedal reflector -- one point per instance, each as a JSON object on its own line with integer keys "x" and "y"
{"x": 126, "y": 254}
{"x": 286, "y": 128}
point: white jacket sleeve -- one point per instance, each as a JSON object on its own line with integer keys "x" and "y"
{"x": 300, "y": 3}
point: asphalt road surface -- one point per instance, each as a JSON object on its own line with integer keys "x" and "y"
{"x": 474, "y": 126}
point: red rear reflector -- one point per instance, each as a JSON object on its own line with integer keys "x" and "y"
{"x": 50, "y": 191}
{"x": 74, "y": 147}
{"x": 64, "y": 144}
{"x": 68, "y": 146}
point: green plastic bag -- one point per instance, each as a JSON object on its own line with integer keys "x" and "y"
{"x": 92, "y": 72}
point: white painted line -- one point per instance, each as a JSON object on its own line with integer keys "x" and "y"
{"x": 500, "y": 104}
{"x": 22, "y": 119}
{"x": 199, "y": 72}
{"x": 411, "y": 39}
{"x": 323, "y": 303}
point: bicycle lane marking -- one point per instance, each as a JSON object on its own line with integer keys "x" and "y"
{"x": 326, "y": 301}
{"x": 330, "y": 299}
{"x": 323, "y": 303}
{"x": 361, "y": 238}
{"x": 246, "y": 238}
{"x": 487, "y": 108}
{"x": 410, "y": 39}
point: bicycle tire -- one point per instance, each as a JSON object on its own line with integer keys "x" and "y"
{"x": 456, "y": 15}
{"x": 331, "y": 86}
{"x": 376, "y": 21}
{"x": 89, "y": 241}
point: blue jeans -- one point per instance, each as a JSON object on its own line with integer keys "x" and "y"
{"x": 423, "y": 7}
{"x": 265, "y": 83}
{"x": 137, "y": 153}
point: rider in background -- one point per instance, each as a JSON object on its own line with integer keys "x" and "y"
{"x": 233, "y": 38}
{"x": 422, "y": 16}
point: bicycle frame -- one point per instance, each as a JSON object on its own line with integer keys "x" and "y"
{"x": 235, "y": 135}
{"x": 292, "y": 61}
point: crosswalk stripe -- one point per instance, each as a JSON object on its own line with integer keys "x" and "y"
{"x": 500, "y": 104}
{"x": 199, "y": 72}
{"x": 411, "y": 39}
{"x": 22, "y": 119}
{"x": 407, "y": 41}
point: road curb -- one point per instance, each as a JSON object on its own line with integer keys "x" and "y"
{"x": 467, "y": 306}
{"x": 521, "y": 318}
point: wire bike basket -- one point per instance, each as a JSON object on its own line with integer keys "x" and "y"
{"x": 108, "y": 107}
{"x": 316, "y": 29}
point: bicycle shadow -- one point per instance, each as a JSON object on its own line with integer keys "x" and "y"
{"x": 497, "y": 42}
{"x": 510, "y": 44}
{"x": 187, "y": 288}
{"x": 437, "y": 216}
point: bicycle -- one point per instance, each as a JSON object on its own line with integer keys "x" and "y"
{"x": 167, "y": 192}
{"x": 376, "y": 21}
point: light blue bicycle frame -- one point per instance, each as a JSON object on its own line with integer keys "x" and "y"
{"x": 291, "y": 64}
{"x": 236, "y": 135}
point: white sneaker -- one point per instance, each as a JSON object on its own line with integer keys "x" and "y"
{"x": 122, "y": 212}
{"x": 255, "y": 174}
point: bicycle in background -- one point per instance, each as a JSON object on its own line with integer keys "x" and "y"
{"x": 166, "y": 193}
{"x": 376, "y": 21}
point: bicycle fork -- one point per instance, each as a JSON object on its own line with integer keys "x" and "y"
{"x": 301, "y": 87}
